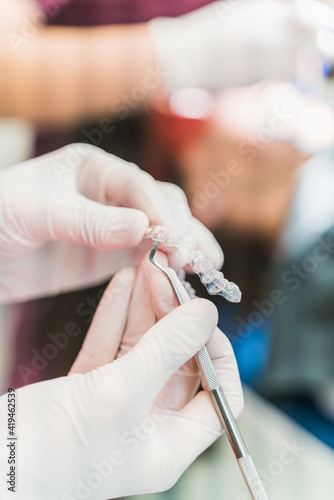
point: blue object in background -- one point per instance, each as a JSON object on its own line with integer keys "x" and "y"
{"x": 251, "y": 349}
{"x": 327, "y": 69}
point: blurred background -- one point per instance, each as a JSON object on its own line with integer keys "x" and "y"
{"x": 257, "y": 165}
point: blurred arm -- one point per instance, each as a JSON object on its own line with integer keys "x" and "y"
{"x": 64, "y": 75}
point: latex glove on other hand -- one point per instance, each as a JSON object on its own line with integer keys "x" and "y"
{"x": 226, "y": 44}
{"x": 73, "y": 217}
{"x": 85, "y": 435}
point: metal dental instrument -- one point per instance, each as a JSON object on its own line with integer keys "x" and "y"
{"x": 221, "y": 405}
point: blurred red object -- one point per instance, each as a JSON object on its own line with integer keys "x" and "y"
{"x": 182, "y": 119}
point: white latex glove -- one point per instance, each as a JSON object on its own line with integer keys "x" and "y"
{"x": 240, "y": 42}
{"x": 130, "y": 426}
{"x": 56, "y": 232}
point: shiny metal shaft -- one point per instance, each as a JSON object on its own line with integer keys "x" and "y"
{"x": 221, "y": 405}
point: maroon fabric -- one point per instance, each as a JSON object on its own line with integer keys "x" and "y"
{"x": 99, "y": 12}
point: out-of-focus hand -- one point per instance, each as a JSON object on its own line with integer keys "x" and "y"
{"x": 240, "y": 157}
{"x": 85, "y": 435}
{"x": 240, "y": 167}
{"x": 276, "y": 111}
{"x": 73, "y": 217}
{"x": 241, "y": 42}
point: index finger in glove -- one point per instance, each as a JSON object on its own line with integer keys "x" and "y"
{"x": 190, "y": 228}
{"x": 107, "y": 179}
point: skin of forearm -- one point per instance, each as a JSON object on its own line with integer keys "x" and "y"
{"x": 65, "y": 76}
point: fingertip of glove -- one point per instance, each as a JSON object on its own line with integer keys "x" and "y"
{"x": 137, "y": 223}
{"x": 214, "y": 251}
{"x": 205, "y": 312}
{"x": 218, "y": 255}
{"x": 123, "y": 280}
{"x": 208, "y": 244}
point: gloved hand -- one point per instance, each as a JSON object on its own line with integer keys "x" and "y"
{"x": 130, "y": 426}
{"x": 240, "y": 42}
{"x": 57, "y": 234}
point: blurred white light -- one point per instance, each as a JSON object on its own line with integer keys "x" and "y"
{"x": 325, "y": 41}
{"x": 315, "y": 129}
{"x": 315, "y": 200}
{"x": 191, "y": 103}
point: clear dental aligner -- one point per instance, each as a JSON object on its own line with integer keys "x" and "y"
{"x": 213, "y": 279}
{"x": 181, "y": 274}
